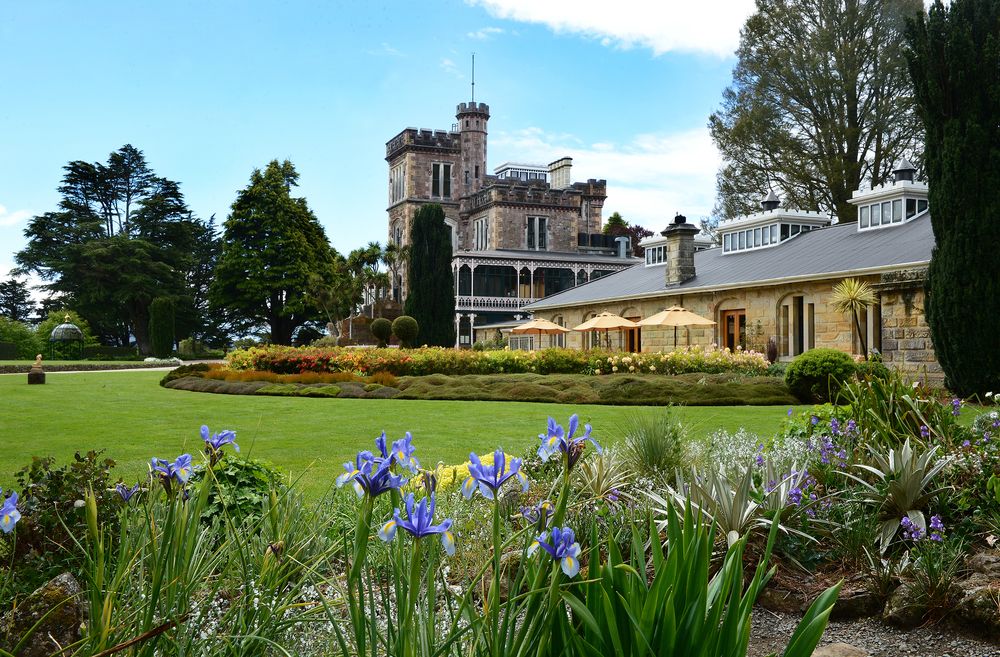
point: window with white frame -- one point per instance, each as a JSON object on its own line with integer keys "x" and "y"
{"x": 440, "y": 180}
{"x": 537, "y": 233}
{"x": 397, "y": 183}
{"x": 481, "y": 234}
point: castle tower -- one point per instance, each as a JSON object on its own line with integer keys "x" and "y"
{"x": 472, "y": 118}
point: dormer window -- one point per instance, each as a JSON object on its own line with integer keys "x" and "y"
{"x": 768, "y": 228}
{"x": 893, "y": 203}
{"x": 654, "y": 254}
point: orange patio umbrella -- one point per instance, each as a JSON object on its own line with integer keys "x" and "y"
{"x": 540, "y": 326}
{"x": 676, "y": 316}
{"x": 605, "y": 322}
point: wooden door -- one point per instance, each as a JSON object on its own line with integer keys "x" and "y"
{"x": 734, "y": 328}
{"x": 633, "y": 337}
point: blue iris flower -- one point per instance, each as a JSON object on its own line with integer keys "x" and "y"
{"x": 562, "y": 547}
{"x": 9, "y": 515}
{"x": 402, "y": 451}
{"x": 180, "y": 469}
{"x": 489, "y": 478}
{"x": 370, "y": 475}
{"x": 557, "y": 440}
{"x": 418, "y": 523}
{"x": 215, "y": 441}
{"x": 125, "y": 492}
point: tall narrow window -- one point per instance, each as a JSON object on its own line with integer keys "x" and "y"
{"x": 441, "y": 180}
{"x": 531, "y": 232}
{"x": 536, "y": 233}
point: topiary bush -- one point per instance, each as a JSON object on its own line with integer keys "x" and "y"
{"x": 406, "y": 329}
{"x": 382, "y": 330}
{"x": 196, "y": 369}
{"x": 818, "y": 374}
{"x": 161, "y": 327}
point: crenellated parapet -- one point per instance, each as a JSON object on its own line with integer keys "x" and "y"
{"x": 423, "y": 139}
{"x": 473, "y": 108}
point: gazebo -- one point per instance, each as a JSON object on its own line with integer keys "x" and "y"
{"x": 66, "y": 333}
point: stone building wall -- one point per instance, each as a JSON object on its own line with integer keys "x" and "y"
{"x": 905, "y": 338}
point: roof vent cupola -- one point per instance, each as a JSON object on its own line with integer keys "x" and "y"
{"x": 770, "y": 202}
{"x": 904, "y": 170}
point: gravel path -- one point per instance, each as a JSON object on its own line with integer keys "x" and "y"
{"x": 770, "y": 633}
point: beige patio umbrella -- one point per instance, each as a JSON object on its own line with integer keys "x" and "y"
{"x": 540, "y": 326}
{"x": 676, "y": 316}
{"x": 605, "y": 322}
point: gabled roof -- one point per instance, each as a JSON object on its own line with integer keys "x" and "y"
{"x": 834, "y": 251}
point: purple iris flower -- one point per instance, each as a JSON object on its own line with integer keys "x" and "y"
{"x": 539, "y": 514}
{"x": 910, "y": 529}
{"x": 925, "y": 431}
{"x": 814, "y": 420}
{"x": 562, "y": 547}
{"x": 370, "y": 475}
{"x": 557, "y": 440}
{"x": 419, "y": 523}
{"x": 956, "y": 407}
{"x": 125, "y": 492}
{"x": 180, "y": 469}
{"x": 489, "y": 478}
{"x": 215, "y": 441}
{"x": 790, "y": 412}
{"x": 936, "y": 523}
{"x": 852, "y": 426}
{"x": 403, "y": 450}
{"x": 9, "y": 515}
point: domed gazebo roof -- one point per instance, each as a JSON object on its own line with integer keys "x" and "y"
{"x": 66, "y": 332}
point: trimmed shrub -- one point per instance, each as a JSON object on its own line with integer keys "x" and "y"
{"x": 100, "y": 352}
{"x": 161, "y": 327}
{"x": 17, "y": 340}
{"x": 195, "y": 370}
{"x": 818, "y": 374}
{"x": 382, "y": 330}
{"x": 406, "y": 329}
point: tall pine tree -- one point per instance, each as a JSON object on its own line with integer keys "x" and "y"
{"x": 954, "y": 61}
{"x": 431, "y": 297}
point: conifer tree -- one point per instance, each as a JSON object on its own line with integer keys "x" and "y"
{"x": 954, "y": 60}
{"x": 431, "y": 297}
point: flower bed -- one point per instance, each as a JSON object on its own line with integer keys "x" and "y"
{"x": 420, "y": 362}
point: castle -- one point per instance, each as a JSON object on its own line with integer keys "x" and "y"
{"x": 518, "y": 235}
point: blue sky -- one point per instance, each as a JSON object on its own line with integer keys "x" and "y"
{"x": 211, "y": 90}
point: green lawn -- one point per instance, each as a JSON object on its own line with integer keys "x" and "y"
{"x": 133, "y": 418}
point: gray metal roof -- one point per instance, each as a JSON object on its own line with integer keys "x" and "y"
{"x": 833, "y": 251}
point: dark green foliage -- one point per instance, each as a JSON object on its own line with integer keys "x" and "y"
{"x": 161, "y": 327}
{"x": 272, "y": 245}
{"x": 62, "y": 351}
{"x": 242, "y": 487}
{"x": 185, "y": 370}
{"x": 15, "y": 300}
{"x": 814, "y": 107}
{"x": 818, "y": 374}
{"x": 616, "y": 226}
{"x": 653, "y": 445}
{"x": 8, "y": 351}
{"x": 954, "y": 59}
{"x": 382, "y": 330}
{"x": 406, "y": 329}
{"x": 120, "y": 237}
{"x": 430, "y": 298}
{"x": 24, "y": 342}
{"x": 47, "y": 497}
{"x": 874, "y": 369}
{"x": 110, "y": 353}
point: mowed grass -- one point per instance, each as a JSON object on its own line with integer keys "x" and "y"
{"x": 130, "y": 416}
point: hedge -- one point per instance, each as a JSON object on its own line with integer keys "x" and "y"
{"x": 436, "y": 360}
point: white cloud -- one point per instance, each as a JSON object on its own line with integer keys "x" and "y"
{"x": 650, "y": 177}
{"x": 8, "y": 218}
{"x": 485, "y": 33}
{"x": 449, "y": 67}
{"x": 707, "y": 27}
{"x": 386, "y": 49}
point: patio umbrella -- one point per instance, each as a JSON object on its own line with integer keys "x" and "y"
{"x": 676, "y": 316}
{"x": 540, "y": 326}
{"x": 605, "y": 322}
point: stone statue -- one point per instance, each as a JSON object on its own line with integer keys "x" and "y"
{"x": 37, "y": 374}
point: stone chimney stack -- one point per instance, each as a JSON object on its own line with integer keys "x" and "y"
{"x": 679, "y": 254}
{"x": 559, "y": 173}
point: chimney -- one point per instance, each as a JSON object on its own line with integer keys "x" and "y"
{"x": 623, "y": 246}
{"x": 679, "y": 254}
{"x": 559, "y": 173}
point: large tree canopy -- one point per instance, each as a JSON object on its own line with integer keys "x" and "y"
{"x": 955, "y": 62}
{"x": 431, "y": 296}
{"x": 820, "y": 101}
{"x": 121, "y": 237}
{"x": 15, "y": 300}
{"x": 272, "y": 244}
